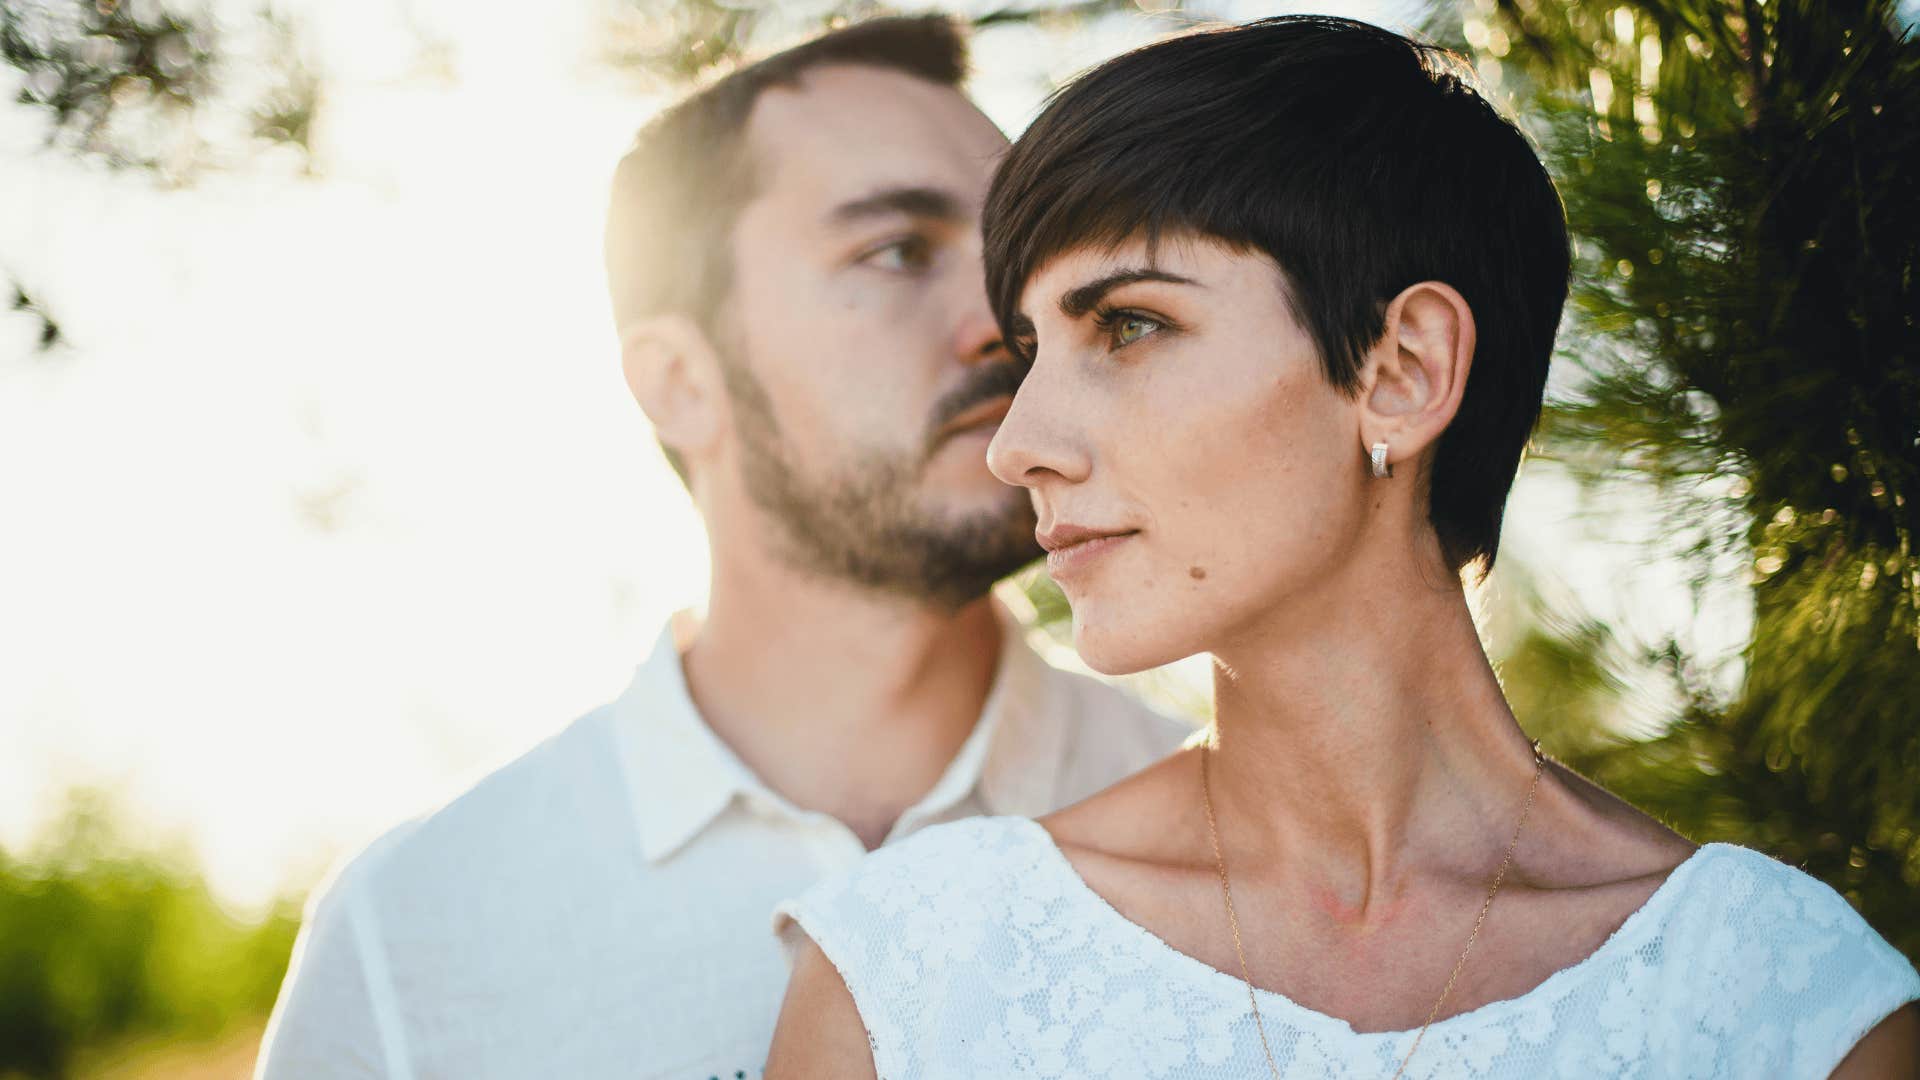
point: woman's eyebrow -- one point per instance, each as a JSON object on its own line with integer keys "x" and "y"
{"x": 1081, "y": 299}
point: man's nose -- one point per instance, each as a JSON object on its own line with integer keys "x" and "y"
{"x": 976, "y": 337}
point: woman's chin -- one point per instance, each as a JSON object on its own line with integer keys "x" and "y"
{"x": 1119, "y": 646}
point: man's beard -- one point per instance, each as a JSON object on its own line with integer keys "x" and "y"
{"x": 863, "y": 522}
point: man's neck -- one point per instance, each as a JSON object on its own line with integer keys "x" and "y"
{"x": 842, "y": 699}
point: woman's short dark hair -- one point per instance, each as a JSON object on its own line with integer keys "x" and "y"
{"x": 1362, "y": 163}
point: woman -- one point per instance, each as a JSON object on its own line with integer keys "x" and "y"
{"x": 1289, "y": 292}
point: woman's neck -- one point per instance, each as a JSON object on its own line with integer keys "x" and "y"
{"x": 1365, "y": 742}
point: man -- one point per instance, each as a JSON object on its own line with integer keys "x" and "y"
{"x": 795, "y": 266}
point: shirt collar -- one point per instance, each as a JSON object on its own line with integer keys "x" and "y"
{"x": 682, "y": 776}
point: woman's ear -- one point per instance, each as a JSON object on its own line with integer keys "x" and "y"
{"x": 674, "y": 373}
{"x": 1414, "y": 378}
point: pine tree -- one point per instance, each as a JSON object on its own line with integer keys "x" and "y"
{"x": 1739, "y": 177}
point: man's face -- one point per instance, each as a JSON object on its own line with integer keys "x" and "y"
{"x": 865, "y": 372}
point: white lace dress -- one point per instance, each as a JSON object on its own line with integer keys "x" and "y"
{"x": 975, "y": 950}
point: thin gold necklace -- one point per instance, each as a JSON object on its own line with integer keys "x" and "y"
{"x": 1233, "y": 921}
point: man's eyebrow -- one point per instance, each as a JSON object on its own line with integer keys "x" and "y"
{"x": 925, "y": 202}
{"x": 1079, "y": 300}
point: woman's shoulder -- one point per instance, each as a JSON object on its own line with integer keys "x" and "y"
{"x": 1758, "y": 948}
{"x": 913, "y": 927}
{"x": 939, "y": 860}
{"x": 937, "y": 875}
{"x": 1738, "y": 895}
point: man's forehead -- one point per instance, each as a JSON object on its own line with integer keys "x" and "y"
{"x": 843, "y": 130}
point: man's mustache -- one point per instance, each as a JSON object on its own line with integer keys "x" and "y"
{"x": 996, "y": 380}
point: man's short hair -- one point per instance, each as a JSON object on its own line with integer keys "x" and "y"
{"x": 679, "y": 189}
{"x": 1362, "y": 163}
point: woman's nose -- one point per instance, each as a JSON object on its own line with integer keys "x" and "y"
{"x": 1037, "y": 442}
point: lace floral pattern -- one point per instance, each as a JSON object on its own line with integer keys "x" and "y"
{"x": 974, "y": 950}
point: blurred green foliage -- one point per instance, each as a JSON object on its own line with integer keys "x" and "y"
{"x": 102, "y": 942}
{"x": 88, "y": 63}
{"x": 168, "y": 89}
{"x": 1740, "y": 179}
{"x": 683, "y": 40}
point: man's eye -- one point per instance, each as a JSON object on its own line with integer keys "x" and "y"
{"x": 908, "y": 254}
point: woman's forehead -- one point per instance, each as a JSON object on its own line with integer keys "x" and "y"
{"x": 1197, "y": 257}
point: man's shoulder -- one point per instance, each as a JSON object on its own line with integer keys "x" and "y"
{"x": 1129, "y": 732}
{"x": 550, "y": 799}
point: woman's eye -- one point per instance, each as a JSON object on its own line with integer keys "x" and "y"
{"x": 1127, "y": 329}
{"x": 907, "y": 255}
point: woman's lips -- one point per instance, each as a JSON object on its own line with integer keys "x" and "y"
{"x": 1077, "y": 556}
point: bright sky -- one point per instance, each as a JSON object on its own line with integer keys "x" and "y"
{"x": 336, "y": 499}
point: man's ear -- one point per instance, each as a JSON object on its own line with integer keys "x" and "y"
{"x": 674, "y": 373}
{"x": 1415, "y": 376}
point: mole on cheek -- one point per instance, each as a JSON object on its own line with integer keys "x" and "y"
{"x": 1196, "y": 573}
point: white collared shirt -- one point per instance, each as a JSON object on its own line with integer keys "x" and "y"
{"x": 601, "y": 905}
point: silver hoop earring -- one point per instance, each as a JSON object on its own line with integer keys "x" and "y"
{"x": 1381, "y": 468}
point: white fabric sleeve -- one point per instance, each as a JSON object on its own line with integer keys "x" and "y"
{"x": 336, "y": 1015}
{"x": 1860, "y": 984}
{"x": 895, "y": 927}
{"x": 1774, "y": 973}
{"x": 815, "y": 916}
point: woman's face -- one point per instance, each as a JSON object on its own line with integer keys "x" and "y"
{"x": 1194, "y": 473}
